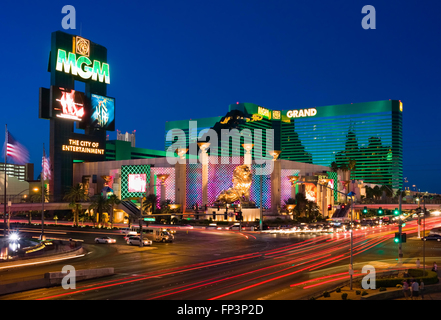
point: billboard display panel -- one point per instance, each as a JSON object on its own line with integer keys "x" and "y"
{"x": 102, "y": 112}
{"x": 67, "y": 104}
{"x": 137, "y": 182}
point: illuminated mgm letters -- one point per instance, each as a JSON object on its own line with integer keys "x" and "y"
{"x": 69, "y": 63}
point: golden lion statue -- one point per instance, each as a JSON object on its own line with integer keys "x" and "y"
{"x": 242, "y": 178}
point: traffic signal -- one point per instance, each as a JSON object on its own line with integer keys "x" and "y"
{"x": 240, "y": 215}
{"x": 397, "y": 237}
{"x": 396, "y": 212}
{"x": 365, "y": 210}
{"x": 237, "y": 216}
{"x": 225, "y": 216}
{"x": 380, "y": 210}
{"x": 329, "y": 207}
{"x": 214, "y": 215}
{"x": 342, "y": 206}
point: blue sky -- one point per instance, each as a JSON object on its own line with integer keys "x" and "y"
{"x": 194, "y": 58}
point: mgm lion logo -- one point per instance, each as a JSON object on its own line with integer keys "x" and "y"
{"x": 242, "y": 178}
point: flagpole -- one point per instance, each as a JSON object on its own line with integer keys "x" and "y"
{"x": 42, "y": 196}
{"x": 4, "y": 199}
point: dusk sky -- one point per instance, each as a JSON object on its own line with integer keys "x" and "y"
{"x": 176, "y": 60}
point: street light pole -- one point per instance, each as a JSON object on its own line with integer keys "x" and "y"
{"x": 42, "y": 237}
{"x": 400, "y": 247}
{"x": 140, "y": 222}
{"x": 261, "y": 194}
{"x": 424, "y": 234}
{"x": 351, "y": 195}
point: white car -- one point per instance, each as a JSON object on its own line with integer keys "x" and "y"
{"x": 105, "y": 240}
{"x": 136, "y": 241}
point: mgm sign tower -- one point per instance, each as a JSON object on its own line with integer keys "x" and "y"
{"x": 75, "y": 59}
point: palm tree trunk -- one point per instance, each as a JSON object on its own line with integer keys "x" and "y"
{"x": 111, "y": 217}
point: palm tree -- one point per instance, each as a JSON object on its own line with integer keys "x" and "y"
{"x": 301, "y": 202}
{"x": 150, "y": 203}
{"x": 377, "y": 192}
{"x": 334, "y": 166}
{"x": 313, "y": 210}
{"x": 351, "y": 167}
{"x": 403, "y": 193}
{"x": 113, "y": 200}
{"x": 75, "y": 195}
{"x": 100, "y": 205}
{"x": 387, "y": 191}
{"x": 37, "y": 198}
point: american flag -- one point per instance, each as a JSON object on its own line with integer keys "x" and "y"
{"x": 15, "y": 150}
{"x": 46, "y": 167}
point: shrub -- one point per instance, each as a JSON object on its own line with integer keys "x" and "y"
{"x": 382, "y": 289}
{"x": 430, "y": 277}
{"x": 338, "y": 290}
{"x": 326, "y": 294}
{"x": 344, "y": 296}
{"x": 364, "y": 293}
{"x": 357, "y": 292}
{"x": 399, "y": 286}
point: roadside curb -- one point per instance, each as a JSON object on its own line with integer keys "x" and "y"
{"x": 46, "y": 259}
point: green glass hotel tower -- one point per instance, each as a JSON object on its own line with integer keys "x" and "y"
{"x": 369, "y": 133}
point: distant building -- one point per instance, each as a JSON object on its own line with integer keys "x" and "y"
{"x": 21, "y": 172}
{"x": 126, "y": 137}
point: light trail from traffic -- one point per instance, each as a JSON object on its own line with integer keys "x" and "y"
{"x": 308, "y": 255}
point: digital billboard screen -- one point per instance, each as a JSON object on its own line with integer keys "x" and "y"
{"x": 102, "y": 112}
{"x": 67, "y": 104}
{"x": 137, "y": 182}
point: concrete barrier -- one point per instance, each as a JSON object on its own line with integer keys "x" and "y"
{"x": 85, "y": 274}
{"x": 53, "y": 279}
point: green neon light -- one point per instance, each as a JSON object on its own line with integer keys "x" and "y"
{"x": 70, "y": 64}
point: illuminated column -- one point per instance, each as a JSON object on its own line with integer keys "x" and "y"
{"x": 247, "y": 157}
{"x": 275, "y": 181}
{"x": 203, "y": 158}
{"x": 324, "y": 195}
{"x": 162, "y": 178}
{"x": 181, "y": 179}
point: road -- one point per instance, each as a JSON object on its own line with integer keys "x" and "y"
{"x": 224, "y": 265}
